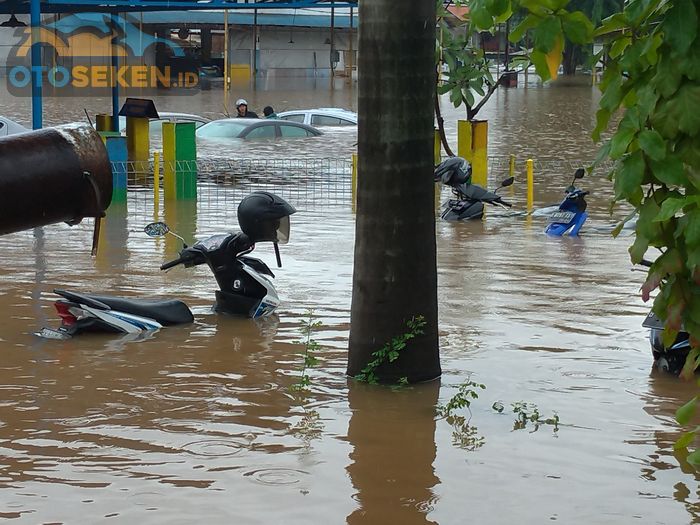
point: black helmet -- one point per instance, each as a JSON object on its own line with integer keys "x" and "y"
{"x": 263, "y": 216}
{"x": 454, "y": 171}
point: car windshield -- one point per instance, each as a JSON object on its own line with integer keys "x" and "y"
{"x": 221, "y": 130}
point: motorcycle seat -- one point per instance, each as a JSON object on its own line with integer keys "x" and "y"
{"x": 477, "y": 193}
{"x": 166, "y": 312}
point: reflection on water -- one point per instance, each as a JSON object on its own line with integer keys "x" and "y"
{"x": 197, "y": 423}
{"x": 393, "y": 433}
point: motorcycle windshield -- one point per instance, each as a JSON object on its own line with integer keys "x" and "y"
{"x": 283, "y": 231}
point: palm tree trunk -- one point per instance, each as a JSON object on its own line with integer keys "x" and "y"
{"x": 395, "y": 275}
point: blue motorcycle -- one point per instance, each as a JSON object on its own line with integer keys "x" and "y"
{"x": 571, "y": 214}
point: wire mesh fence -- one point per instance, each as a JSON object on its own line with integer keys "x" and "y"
{"x": 308, "y": 182}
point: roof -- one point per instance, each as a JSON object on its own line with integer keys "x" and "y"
{"x": 126, "y": 6}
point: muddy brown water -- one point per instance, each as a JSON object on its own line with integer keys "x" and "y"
{"x": 197, "y": 424}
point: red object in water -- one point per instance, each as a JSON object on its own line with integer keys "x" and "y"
{"x": 63, "y": 309}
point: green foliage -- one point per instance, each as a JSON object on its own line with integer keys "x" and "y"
{"x": 466, "y": 392}
{"x": 528, "y": 413}
{"x": 390, "y": 352}
{"x": 464, "y": 434}
{"x": 311, "y": 347}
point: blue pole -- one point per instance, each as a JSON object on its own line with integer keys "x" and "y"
{"x": 37, "y": 76}
{"x": 115, "y": 84}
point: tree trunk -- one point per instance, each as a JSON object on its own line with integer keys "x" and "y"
{"x": 571, "y": 58}
{"x": 395, "y": 276}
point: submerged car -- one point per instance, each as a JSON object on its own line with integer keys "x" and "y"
{"x": 10, "y": 127}
{"x": 321, "y": 117}
{"x": 156, "y": 124}
{"x": 251, "y": 128}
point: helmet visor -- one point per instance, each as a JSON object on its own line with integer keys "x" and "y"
{"x": 282, "y": 233}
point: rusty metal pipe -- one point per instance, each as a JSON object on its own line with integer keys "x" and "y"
{"x": 53, "y": 175}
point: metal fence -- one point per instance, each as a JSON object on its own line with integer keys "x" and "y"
{"x": 309, "y": 182}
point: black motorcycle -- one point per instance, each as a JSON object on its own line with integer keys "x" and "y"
{"x": 666, "y": 358}
{"x": 469, "y": 200}
{"x": 245, "y": 283}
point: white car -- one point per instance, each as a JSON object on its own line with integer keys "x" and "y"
{"x": 156, "y": 125}
{"x": 321, "y": 117}
{"x": 10, "y": 127}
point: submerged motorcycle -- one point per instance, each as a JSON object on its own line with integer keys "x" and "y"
{"x": 571, "y": 214}
{"x": 469, "y": 200}
{"x": 245, "y": 285}
{"x": 666, "y": 358}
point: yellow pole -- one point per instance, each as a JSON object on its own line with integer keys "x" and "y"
{"x": 354, "y": 181}
{"x": 156, "y": 180}
{"x": 530, "y": 184}
{"x": 479, "y": 161}
{"x": 511, "y": 166}
{"x": 226, "y": 68}
{"x": 464, "y": 139}
{"x": 169, "y": 190}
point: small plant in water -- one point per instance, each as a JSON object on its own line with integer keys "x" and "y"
{"x": 526, "y": 413}
{"x": 390, "y": 352}
{"x": 462, "y": 399}
{"x": 464, "y": 435}
{"x": 311, "y": 347}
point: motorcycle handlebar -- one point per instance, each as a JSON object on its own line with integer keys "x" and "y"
{"x": 170, "y": 264}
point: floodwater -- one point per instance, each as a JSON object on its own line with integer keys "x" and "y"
{"x": 198, "y": 424}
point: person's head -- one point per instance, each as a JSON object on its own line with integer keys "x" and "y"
{"x": 241, "y": 106}
{"x": 267, "y": 111}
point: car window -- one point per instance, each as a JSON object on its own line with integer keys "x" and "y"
{"x": 294, "y": 118}
{"x": 261, "y": 132}
{"x": 2, "y": 126}
{"x": 325, "y": 120}
{"x": 226, "y": 130}
{"x": 293, "y": 131}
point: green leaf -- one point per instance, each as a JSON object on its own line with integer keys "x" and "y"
{"x": 482, "y": 18}
{"x": 602, "y": 120}
{"x": 685, "y": 440}
{"x": 684, "y": 413}
{"x": 646, "y": 101}
{"x": 690, "y": 63}
{"x": 669, "y": 171}
{"x": 652, "y": 144}
{"x": 681, "y": 25}
{"x": 619, "y": 45}
{"x": 637, "y": 10}
{"x": 630, "y": 175}
{"x": 694, "y": 458}
{"x": 539, "y": 59}
{"x": 577, "y": 27}
{"x": 689, "y": 150}
{"x": 679, "y": 113}
{"x": 621, "y": 140}
{"x": 692, "y": 228}
{"x": 612, "y": 24}
{"x": 638, "y": 249}
{"x": 546, "y": 33}
{"x": 613, "y": 94}
{"x": 670, "y": 207}
{"x": 528, "y": 23}
{"x": 498, "y": 7}
{"x": 668, "y": 76}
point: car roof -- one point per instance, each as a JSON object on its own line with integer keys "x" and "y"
{"x": 12, "y": 126}
{"x": 258, "y": 122}
{"x": 334, "y": 111}
{"x": 175, "y": 114}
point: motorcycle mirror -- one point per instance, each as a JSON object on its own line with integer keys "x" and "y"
{"x": 579, "y": 173}
{"x": 156, "y": 229}
{"x": 507, "y": 182}
{"x": 277, "y": 254}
